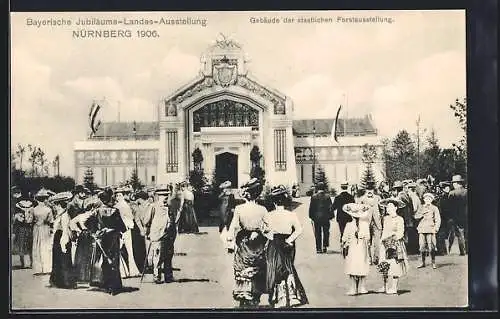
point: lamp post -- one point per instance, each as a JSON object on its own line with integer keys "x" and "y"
{"x": 314, "y": 154}
{"x": 135, "y": 138}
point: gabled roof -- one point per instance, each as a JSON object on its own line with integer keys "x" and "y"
{"x": 353, "y": 126}
{"x": 126, "y": 129}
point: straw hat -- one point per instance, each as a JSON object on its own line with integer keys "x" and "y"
{"x": 226, "y": 184}
{"x": 61, "y": 197}
{"x": 356, "y": 210}
{"x": 395, "y": 201}
{"x": 24, "y": 204}
{"x": 42, "y": 194}
{"x": 162, "y": 190}
{"x": 398, "y": 184}
{"x": 430, "y": 195}
{"x": 457, "y": 179}
{"x": 279, "y": 191}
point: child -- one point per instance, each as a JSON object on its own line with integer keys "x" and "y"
{"x": 356, "y": 238}
{"x": 393, "y": 250}
{"x": 430, "y": 221}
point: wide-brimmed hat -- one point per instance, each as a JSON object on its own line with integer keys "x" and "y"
{"x": 106, "y": 195}
{"x": 141, "y": 194}
{"x": 162, "y": 190}
{"x": 42, "y": 193}
{"x": 430, "y": 195}
{"x": 24, "y": 204}
{"x": 124, "y": 189}
{"x": 278, "y": 191}
{"x": 15, "y": 189}
{"x": 397, "y": 202}
{"x": 407, "y": 181}
{"x": 252, "y": 183}
{"x": 226, "y": 184}
{"x": 61, "y": 197}
{"x": 444, "y": 184}
{"x": 356, "y": 210}
{"x": 411, "y": 185}
{"x": 457, "y": 179}
{"x": 398, "y": 184}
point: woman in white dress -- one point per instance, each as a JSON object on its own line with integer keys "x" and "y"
{"x": 42, "y": 238}
{"x": 282, "y": 227}
{"x": 356, "y": 239}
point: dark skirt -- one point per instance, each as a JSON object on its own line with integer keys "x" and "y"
{"x": 282, "y": 281}
{"x": 188, "y": 223}
{"x": 83, "y": 256}
{"x": 250, "y": 267}
{"x": 105, "y": 270}
{"x": 23, "y": 239}
{"x": 139, "y": 248}
{"x": 62, "y": 275}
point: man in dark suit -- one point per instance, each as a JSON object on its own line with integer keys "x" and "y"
{"x": 321, "y": 212}
{"x": 458, "y": 214}
{"x": 340, "y": 200}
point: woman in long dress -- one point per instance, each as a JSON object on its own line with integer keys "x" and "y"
{"x": 62, "y": 275}
{"x": 105, "y": 272}
{"x": 283, "y": 227}
{"x": 188, "y": 224}
{"x": 356, "y": 238}
{"x": 23, "y": 230}
{"x": 250, "y": 254}
{"x": 82, "y": 227}
{"x": 42, "y": 239}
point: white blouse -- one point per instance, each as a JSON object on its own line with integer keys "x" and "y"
{"x": 282, "y": 221}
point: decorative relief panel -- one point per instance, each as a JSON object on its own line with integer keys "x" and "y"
{"x": 105, "y": 158}
{"x": 305, "y": 154}
{"x": 225, "y": 113}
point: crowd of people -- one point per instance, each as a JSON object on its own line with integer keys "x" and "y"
{"x": 99, "y": 237}
{"x": 382, "y": 225}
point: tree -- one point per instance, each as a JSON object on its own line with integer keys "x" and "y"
{"x": 21, "y": 150}
{"x": 369, "y": 155}
{"x": 197, "y": 179}
{"x": 256, "y": 171}
{"x": 42, "y": 161}
{"x": 320, "y": 177}
{"x": 431, "y": 156}
{"x": 33, "y": 155}
{"x": 197, "y": 158}
{"x": 401, "y": 158}
{"x": 88, "y": 179}
{"x": 460, "y": 112}
{"x": 134, "y": 181}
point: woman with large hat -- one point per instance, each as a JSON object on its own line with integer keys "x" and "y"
{"x": 356, "y": 239}
{"x": 392, "y": 248}
{"x": 250, "y": 254}
{"x": 188, "y": 223}
{"x": 22, "y": 230}
{"x": 227, "y": 205}
{"x": 282, "y": 227}
{"x": 105, "y": 271}
{"x": 42, "y": 240}
{"x": 62, "y": 275}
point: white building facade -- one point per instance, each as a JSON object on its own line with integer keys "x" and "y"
{"x": 224, "y": 112}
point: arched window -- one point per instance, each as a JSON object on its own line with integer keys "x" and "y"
{"x": 225, "y": 113}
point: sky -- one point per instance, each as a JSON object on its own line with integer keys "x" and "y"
{"x": 414, "y": 66}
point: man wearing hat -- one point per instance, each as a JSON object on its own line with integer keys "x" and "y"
{"x": 430, "y": 222}
{"x": 321, "y": 212}
{"x": 161, "y": 234}
{"x": 227, "y": 205}
{"x": 340, "y": 200}
{"x": 458, "y": 214}
{"x": 372, "y": 201}
{"x": 443, "y": 200}
{"x": 407, "y": 212}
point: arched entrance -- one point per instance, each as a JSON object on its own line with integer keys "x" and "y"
{"x": 226, "y": 166}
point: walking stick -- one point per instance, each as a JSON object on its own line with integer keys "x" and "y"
{"x": 145, "y": 261}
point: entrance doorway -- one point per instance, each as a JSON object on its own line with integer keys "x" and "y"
{"x": 226, "y": 166}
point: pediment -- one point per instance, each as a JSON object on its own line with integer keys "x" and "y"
{"x": 205, "y": 85}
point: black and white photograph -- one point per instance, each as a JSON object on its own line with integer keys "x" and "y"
{"x": 238, "y": 160}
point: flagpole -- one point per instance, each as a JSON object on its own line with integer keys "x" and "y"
{"x": 345, "y": 131}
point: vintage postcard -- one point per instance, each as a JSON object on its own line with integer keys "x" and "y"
{"x": 221, "y": 160}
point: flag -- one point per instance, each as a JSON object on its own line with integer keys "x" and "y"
{"x": 94, "y": 109}
{"x": 335, "y": 124}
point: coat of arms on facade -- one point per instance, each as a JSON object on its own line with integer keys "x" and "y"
{"x": 225, "y": 74}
